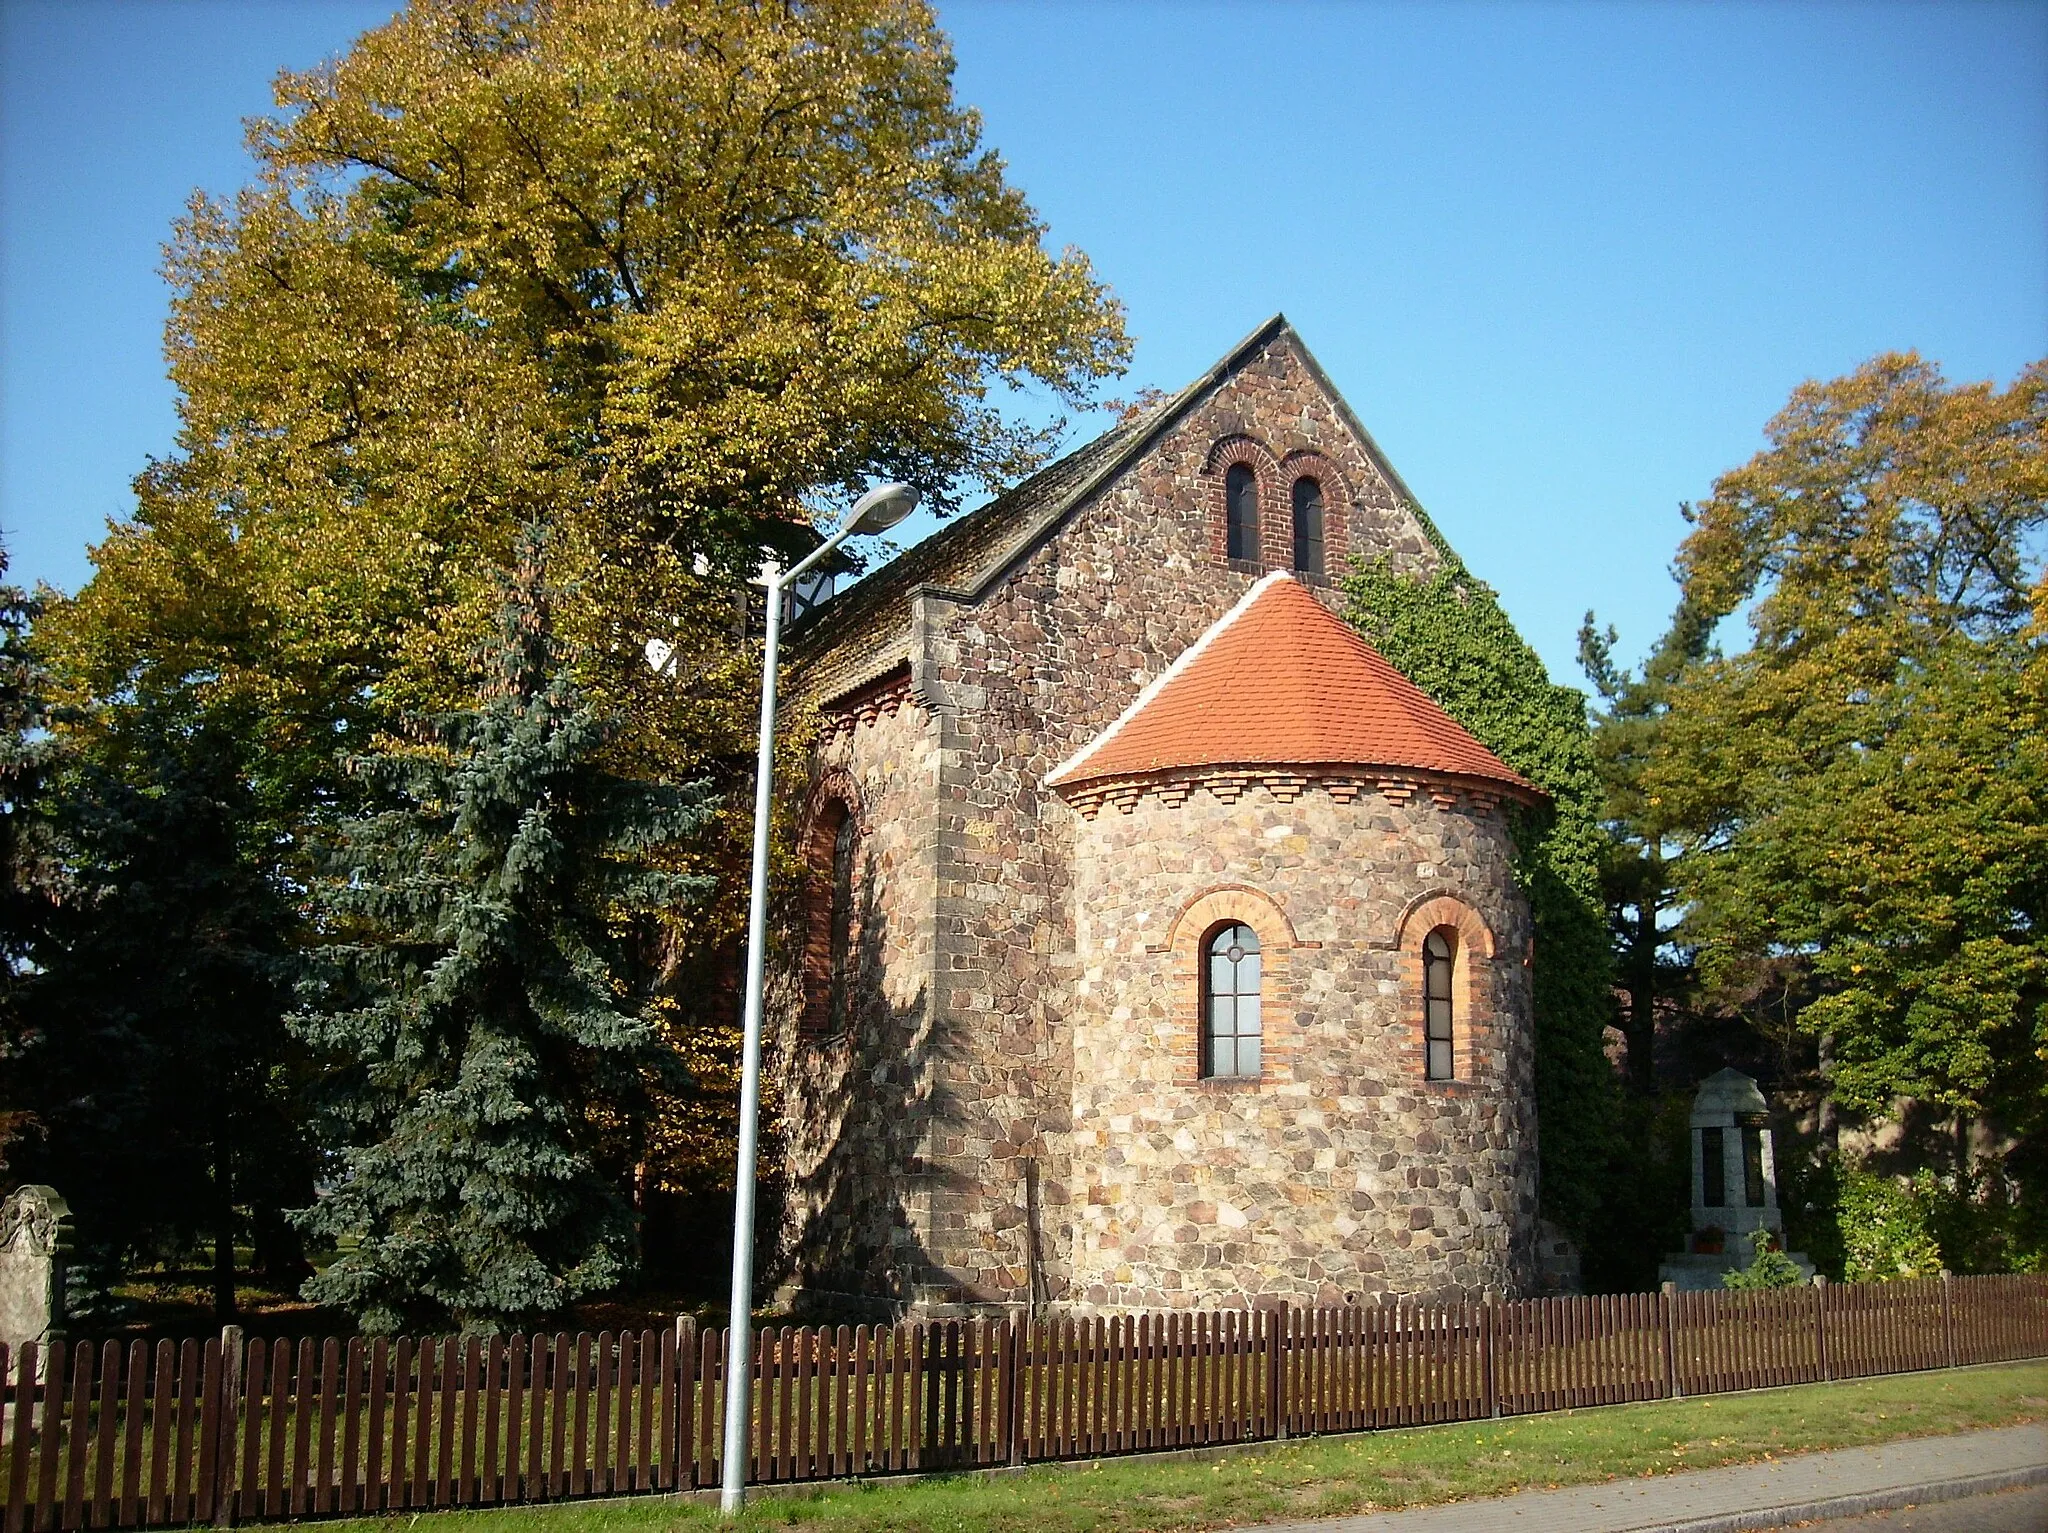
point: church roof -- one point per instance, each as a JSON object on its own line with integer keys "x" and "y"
{"x": 965, "y": 557}
{"x": 1282, "y": 680}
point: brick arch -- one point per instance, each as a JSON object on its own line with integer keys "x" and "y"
{"x": 1273, "y": 510}
{"x": 1231, "y": 902}
{"x": 1197, "y": 918}
{"x": 1307, "y": 463}
{"x": 834, "y": 799}
{"x": 1475, "y": 1041}
{"x": 1439, "y": 907}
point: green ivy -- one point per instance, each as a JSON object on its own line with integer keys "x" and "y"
{"x": 1450, "y": 637}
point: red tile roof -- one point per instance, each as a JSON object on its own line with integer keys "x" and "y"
{"x": 1280, "y": 680}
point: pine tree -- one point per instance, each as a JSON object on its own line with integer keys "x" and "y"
{"x": 483, "y": 998}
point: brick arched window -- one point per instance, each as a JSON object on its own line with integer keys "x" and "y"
{"x": 1439, "y": 959}
{"x": 832, "y": 916}
{"x": 1308, "y": 526}
{"x": 1232, "y": 979}
{"x": 1447, "y": 978}
{"x": 1241, "y": 512}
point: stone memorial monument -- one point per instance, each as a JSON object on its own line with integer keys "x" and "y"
{"x": 1734, "y": 1183}
{"x": 35, "y": 1231}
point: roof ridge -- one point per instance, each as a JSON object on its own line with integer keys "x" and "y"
{"x": 1159, "y": 683}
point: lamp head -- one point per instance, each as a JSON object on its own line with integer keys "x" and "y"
{"x": 880, "y": 509}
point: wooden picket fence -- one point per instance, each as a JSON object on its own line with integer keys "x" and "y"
{"x": 232, "y": 1430}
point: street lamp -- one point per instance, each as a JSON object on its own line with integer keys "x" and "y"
{"x": 877, "y": 511}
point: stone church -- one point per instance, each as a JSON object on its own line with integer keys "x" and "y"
{"x": 1159, "y": 944}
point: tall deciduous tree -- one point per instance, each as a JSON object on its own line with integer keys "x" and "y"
{"x": 659, "y": 273}
{"x": 487, "y": 996}
{"x": 1860, "y": 796}
{"x": 663, "y": 276}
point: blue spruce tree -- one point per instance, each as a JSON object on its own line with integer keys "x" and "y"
{"x": 482, "y": 999}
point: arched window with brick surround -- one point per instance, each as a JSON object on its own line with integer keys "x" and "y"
{"x": 832, "y": 852}
{"x": 1308, "y": 526}
{"x": 1241, "y": 511}
{"x": 1447, "y": 982}
{"x": 1231, "y": 983}
{"x": 1439, "y": 953}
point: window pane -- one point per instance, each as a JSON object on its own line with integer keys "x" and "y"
{"x": 1221, "y": 974}
{"x": 1248, "y": 1013}
{"x": 1241, "y": 494}
{"x": 1248, "y": 1056}
{"x": 1440, "y": 1059}
{"x": 1248, "y": 973}
{"x": 1308, "y": 526}
{"x": 1222, "y": 1057}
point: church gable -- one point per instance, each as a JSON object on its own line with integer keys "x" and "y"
{"x": 1257, "y": 465}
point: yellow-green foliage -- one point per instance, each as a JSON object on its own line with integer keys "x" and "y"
{"x": 1884, "y": 1230}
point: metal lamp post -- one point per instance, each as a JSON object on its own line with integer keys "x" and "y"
{"x": 877, "y": 511}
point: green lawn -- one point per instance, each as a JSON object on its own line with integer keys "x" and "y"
{"x": 1354, "y": 1474}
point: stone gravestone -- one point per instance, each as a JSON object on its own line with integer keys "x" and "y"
{"x": 35, "y": 1232}
{"x": 1734, "y": 1183}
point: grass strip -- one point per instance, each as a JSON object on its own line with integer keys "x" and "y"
{"x": 1333, "y": 1477}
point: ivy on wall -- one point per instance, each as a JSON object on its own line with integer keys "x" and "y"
{"x": 1450, "y": 637}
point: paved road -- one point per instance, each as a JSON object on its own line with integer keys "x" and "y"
{"x": 1770, "y": 1495}
{"x": 2012, "y": 1511}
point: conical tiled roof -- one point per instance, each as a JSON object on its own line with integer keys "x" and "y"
{"x": 1280, "y": 680}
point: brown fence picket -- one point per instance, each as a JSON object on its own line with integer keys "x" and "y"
{"x": 108, "y": 1434}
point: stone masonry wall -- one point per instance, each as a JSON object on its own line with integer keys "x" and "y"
{"x": 1009, "y": 686}
{"x": 1047, "y": 659}
{"x": 856, "y": 1101}
{"x": 1342, "y": 1172}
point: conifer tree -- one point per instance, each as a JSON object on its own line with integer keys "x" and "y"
{"x": 24, "y": 903}
{"x": 482, "y": 996}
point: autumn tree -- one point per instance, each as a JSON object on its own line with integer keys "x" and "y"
{"x": 664, "y": 278}
{"x": 1858, "y": 798}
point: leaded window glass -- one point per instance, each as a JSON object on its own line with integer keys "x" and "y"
{"x": 1230, "y": 985}
{"x": 1308, "y": 526}
{"x": 1241, "y": 506}
{"x": 1436, "y": 1004}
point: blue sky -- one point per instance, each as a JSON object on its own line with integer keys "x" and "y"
{"x": 1564, "y": 260}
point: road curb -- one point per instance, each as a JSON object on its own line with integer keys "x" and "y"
{"x": 1888, "y": 1500}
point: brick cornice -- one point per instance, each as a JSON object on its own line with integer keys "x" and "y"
{"x": 1345, "y": 784}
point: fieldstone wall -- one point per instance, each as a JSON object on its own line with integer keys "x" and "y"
{"x": 856, "y": 1102}
{"x": 1341, "y": 1172}
{"x": 1008, "y": 683}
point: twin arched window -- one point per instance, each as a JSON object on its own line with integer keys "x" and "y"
{"x": 1230, "y": 1003}
{"x": 1241, "y": 519}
